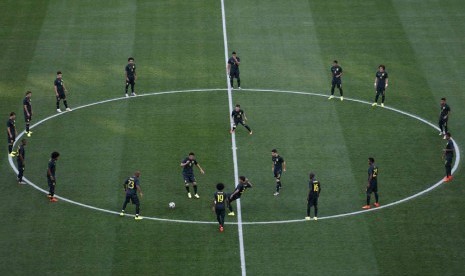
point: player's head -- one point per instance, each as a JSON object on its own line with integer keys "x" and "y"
{"x": 443, "y": 101}
{"x": 371, "y": 160}
{"x": 137, "y": 173}
{"x": 131, "y": 60}
{"x": 311, "y": 175}
{"x": 28, "y": 94}
{"x": 242, "y": 178}
{"x": 55, "y": 155}
{"x": 12, "y": 115}
{"x": 334, "y": 62}
{"x": 238, "y": 107}
{"x": 234, "y": 54}
{"x": 448, "y": 135}
{"x": 274, "y": 152}
{"x": 220, "y": 186}
{"x": 381, "y": 68}
{"x": 59, "y": 74}
{"x": 191, "y": 155}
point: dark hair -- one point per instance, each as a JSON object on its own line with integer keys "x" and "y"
{"x": 12, "y": 113}
{"x": 335, "y": 61}
{"x": 382, "y": 66}
{"x": 372, "y": 160}
{"x": 59, "y": 72}
{"x": 233, "y": 53}
{"x": 130, "y": 58}
{"x": 312, "y": 175}
{"x": 274, "y": 150}
{"x": 220, "y": 186}
{"x": 238, "y": 105}
{"x": 28, "y": 92}
{"x": 448, "y": 134}
{"x": 443, "y": 99}
{"x": 242, "y": 178}
{"x": 191, "y": 153}
{"x": 55, "y": 155}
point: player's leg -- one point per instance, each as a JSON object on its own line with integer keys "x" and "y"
{"x": 441, "y": 126}
{"x": 278, "y": 182}
{"x": 58, "y": 103}
{"x": 51, "y": 190}
{"x": 238, "y": 77}
{"x": 378, "y": 92}
{"x": 333, "y": 86}
{"x": 375, "y": 191}
{"x": 231, "y": 80}
{"x": 246, "y": 126}
{"x": 10, "y": 145}
{"x": 132, "y": 81}
{"x": 339, "y": 86}
{"x": 20, "y": 171}
{"x": 234, "y": 125}
{"x": 368, "y": 194}
{"x": 383, "y": 97}
{"x": 28, "y": 122}
{"x": 445, "y": 126}
{"x": 308, "y": 207}
{"x": 194, "y": 184}
{"x": 315, "y": 205}
{"x": 448, "y": 166}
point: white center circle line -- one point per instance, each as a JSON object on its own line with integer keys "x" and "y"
{"x": 437, "y": 184}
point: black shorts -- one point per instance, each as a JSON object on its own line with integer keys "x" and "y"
{"x": 27, "y": 118}
{"x": 50, "y": 182}
{"x": 277, "y": 174}
{"x": 133, "y": 198}
{"x": 131, "y": 80}
{"x": 337, "y": 81}
{"x": 234, "y": 74}
{"x": 188, "y": 178}
{"x": 443, "y": 121}
{"x": 373, "y": 188}
{"x": 237, "y": 122}
{"x": 220, "y": 211}
{"x": 12, "y": 139}
{"x": 61, "y": 96}
{"x": 231, "y": 197}
{"x": 312, "y": 201}
{"x": 380, "y": 90}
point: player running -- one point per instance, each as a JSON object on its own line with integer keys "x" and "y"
{"x": 239, "y": 117}
{"x": 314, "y": 189}
{"x": 278, "y": 167}
{"x": 131, "y": 187}
{"x": 336, "y": 72}
{"x": 381, "y": 83}
{"x": 188, "y": 173}
{"x": 372, "y": 186}
{"x": 243, "y": 185}
{"x": 219, "y": 205}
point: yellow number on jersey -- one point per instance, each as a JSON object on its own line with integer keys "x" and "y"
{"x": 131, "y": 184}
{"x": 316, "y": 187}
{"x": 219, "y": 198}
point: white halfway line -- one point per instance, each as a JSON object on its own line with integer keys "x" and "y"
{"x": 234, "y": 147}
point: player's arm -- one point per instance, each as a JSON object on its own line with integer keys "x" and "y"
{"x": 64, "y": 88}
{"x": 387, "y": 82}
{"x": 185, "y": 163}
{"x": 447, "y": 114}
{"x": 56, "y": 90}
{"x": 25, "y": 110}
{"x": 245, "y": 117}
{"x": 200, "y": 168}
{"x": 248, "y": 184}
{"x": 376, "y": 81}
{"x": 228, "y": 67}
{"x": 9, "y": 132}
{"x": 139, "y": 190}
{"x": 126, "y": 73}
{"x": 237, "y": 61}
{"x": 49, "y": 173}
{"x": 284, "y": 166}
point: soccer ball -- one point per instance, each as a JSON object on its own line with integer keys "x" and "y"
{"x": 171, "y": 205}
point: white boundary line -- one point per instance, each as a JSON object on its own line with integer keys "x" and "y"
{"x": 456, "y": 163}
{"x": 234, "y": 146}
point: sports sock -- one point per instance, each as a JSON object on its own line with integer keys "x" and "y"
{"x": 187, "y": 189}
{"x": 332, "y": 89}
{"x": 278, "y": 186}
{"x": 382, "y": 98}
{"x": 132, "y": 87}
{"x": 66, "y": 103}
{"x": 195, "y": 189}
{"x": 231, "y": 82}
{"x": 230, "y": 207}
{"x": 308, "y": 210}
{"x": 239, "y": 82}
{"x": 376, "y": 98}
{"x": 58, "y": 104}
{"x": 27, "y": 127}
{"x": 137, "y": 209}
{"x": 248, "y": 128}
{"x": 316, "y": 211}
{"x": 127, "y": 86}
{"x": 10, "y": 148}
{"x": 340, "y": 91}
{"x": 368, "y": 199}
{"x": 376, "y": 197}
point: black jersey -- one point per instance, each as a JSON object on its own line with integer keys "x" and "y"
{"x": 373, "y": 173}
{"x": 445, "y": 109}
{"x": 220, "y": 200}
{"x": 450, "y": 149}
{"x": 11, "y": 125}
{"x": 131, "y": 70}
{"x": 381, "y": 77}
{"x": 314, "y": 188}
{"x": 278, "y": 163}
{"x": 234, "y": 65}
{"x": 131, "y": 184}
{"x": 21, "y": 153}
{"x": 27, "y": 104}
{"x": 336, "y": 71}
{"x": 188, "y": 169}
{"x": 52, "y": 167}
{"x": 59, "y": 84}
{"x": 238, "y": 115}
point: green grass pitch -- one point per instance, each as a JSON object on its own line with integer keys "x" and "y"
{"x": 284, "y": 46}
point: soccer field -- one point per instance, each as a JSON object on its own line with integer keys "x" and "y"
{"x": 183, "y": 105}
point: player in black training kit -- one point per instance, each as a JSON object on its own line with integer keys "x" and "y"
{"x": 239, "y": 117}
{"x": 51, "y": 176}
{"x": 27, "y": 108}
{"x": 448, "y": 155}
{"x": 131, "y": 76}
{"x": 381, "y": 83}
{"x": 219, "y": 205}
{"x": 60, "y": 92}
{"x": 11, "y": 133}
{"x": 20, "y": 160}
{"x": 233, "y": 70}
{"x": 444, "y": 117}
{"x": 188, "y": 173}
{"x": 131, "y": 187}
{"x": 372, "y": 186}
{"x": 336, "y": 72}
{"x": 243, "y": 185}
{"x": 278, "y": 167}
{"x": 314, "y": 189}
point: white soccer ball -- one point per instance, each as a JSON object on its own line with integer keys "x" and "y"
{"x": 172, "y": 205}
